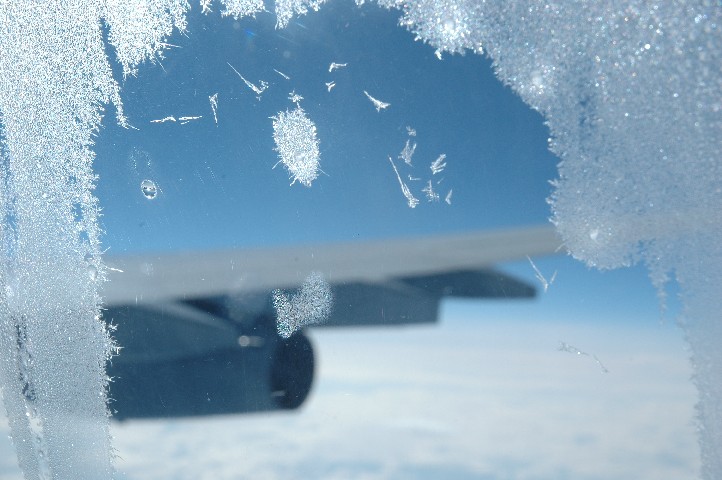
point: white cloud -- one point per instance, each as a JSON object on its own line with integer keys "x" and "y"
{"x": 459, "y": 399}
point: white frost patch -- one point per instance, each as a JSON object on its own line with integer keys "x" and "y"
{"x": 310, "y": 305}
{"x": 452, "y": 25}
{"x": 53, "y": 343}
{"x": 297, "y": 145}
{"x": 632, "y": 100}
{"x": 285, "y": 9}
{"x": 138, "y": 29}
{"x": 240, "y": 8}
{"x": 378, "y": 104}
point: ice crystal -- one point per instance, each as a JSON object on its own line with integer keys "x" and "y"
{"x": 297, "y": 145}
{"x": 310, "y": 305}
{"x": 378, "y": 104}
{"x": 256, "y": 89}
{"x": 282, "y": 74}
{"x": 542, "y": 279}
{"x": 295, "y": 98}
{"x": 431, "y": 195}
{"x": 213, "y": 99}
{"x": 335, "y": 66}
{"x": 164, "y": 119}
{"x": 410, "y": 199}
{"x": 181, "y": 120}
{"x": 184, "y": 120}
{"x": 565, "y": 347}
{"x": 407, "y": 152}
{"x": 438, "y": 165}
{"x": 330, "y": 85}
{"x": 448, "y": 197}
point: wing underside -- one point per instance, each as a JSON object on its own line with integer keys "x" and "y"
{"x": 198, "y": 330}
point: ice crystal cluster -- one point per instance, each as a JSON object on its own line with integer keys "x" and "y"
{"x": 285, "y": 9}
{"x": 632, "y": 94}
{"x": 54, "y": 77}
{"x": 297, "y": 145}
{"x": 240, "y": 8}
{"x": 429, "y": 190}
{"x": 310, "y": 305}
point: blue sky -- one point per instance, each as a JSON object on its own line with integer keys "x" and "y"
{"x": 218, "y": 185}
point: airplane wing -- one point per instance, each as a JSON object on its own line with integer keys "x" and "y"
{"x": 153, "y": 278}
{"x": 198, "y": 333}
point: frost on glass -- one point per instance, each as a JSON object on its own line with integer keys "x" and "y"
{"x": 285, "y": 9}
{"x": 438, "y": 165}
{"x": 378, "y": 104}
{"x": 138, "y": 28}
{"x": 213, "y": 99}
{"x": 242, "y": 8}
{"x": 54, "y": 78}
{"x": 258, "y": 90}
{"x": 632, "y": 94}
{"x": 565, "y": 347}
{"x": 310, "y": 305}
{"x": 430, "y": 188}
{"x": 410, "y": 199}
{"x": 297, "y": 144}
{"x": 408, "y": 152}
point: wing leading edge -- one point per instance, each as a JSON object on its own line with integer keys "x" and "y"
{"x": 153, "y": 278}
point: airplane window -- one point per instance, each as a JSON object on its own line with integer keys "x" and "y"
{"x": 319, "y": 235}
